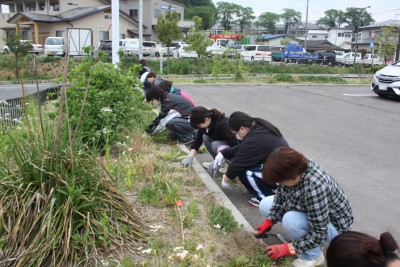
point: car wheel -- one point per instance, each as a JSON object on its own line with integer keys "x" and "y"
{"x": 252, "y": 59}
{"x": 6, "y": 51}
{"x": 157, "y": 54}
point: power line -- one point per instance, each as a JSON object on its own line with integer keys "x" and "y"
{"x": 386, "y": 11}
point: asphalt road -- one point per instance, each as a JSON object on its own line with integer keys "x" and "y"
{"x": 11, "y": 91}
{"x": 352, "y": 132}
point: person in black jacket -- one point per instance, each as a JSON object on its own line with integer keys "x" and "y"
{"x": 213, "y": 131}
{"x": 258, "y": 139}
{"x": 174, "y": 115}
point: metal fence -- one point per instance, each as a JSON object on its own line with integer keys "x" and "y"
{"x": 12, "y": 112}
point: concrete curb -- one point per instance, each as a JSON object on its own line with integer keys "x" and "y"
{"x": 218, "y": 193}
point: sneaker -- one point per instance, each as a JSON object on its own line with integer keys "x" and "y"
{"x": 206, "y": 165}
{"x": 254, "y": 202}
{"x": 312, "y": 263}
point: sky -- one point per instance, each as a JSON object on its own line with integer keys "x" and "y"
{"x": 380, "y": 10}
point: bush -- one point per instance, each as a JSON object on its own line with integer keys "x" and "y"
{"x": 106, "y": 99}
{"x": 322, "y": 79}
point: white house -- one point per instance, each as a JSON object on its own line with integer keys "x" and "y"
{"x": 340, "y": 37}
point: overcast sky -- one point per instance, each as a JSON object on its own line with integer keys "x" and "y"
{"x": 381, "y": 10}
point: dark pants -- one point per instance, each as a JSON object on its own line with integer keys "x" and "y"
{"x": 254, "y": 183}
{"x": 181, "y": 129}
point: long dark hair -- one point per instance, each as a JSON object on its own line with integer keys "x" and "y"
{"x": 239, "y": 118}
{"x": 358, "y": 249}
{"x": 199, "y": 114}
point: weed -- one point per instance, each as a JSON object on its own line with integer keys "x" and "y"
{"x": 283, "y": 78}
{"x": 222, "y": 218}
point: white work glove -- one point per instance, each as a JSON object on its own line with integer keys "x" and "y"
{"x": 219, "y": 159}
{"x": 187, "y": 161}
{"x": 226, "y": 185}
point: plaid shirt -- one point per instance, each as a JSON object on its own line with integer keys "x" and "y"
{"x": 320, "y": 196}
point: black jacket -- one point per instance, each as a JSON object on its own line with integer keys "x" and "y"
{"x": 171, "y": 102}
{"x": 254, "y": 149}
{"x": 217, "y": 130}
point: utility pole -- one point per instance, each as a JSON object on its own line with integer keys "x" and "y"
{"x": 140, "y": 29}
{"x": 306, "y": 30}
{"x": 115, "y": 31}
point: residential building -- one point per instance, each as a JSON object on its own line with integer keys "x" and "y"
{"x": 340, "y": 37}
{"x": 277, "y": 39}
{"x": 367, "y": 35}
{"x": 317, "y": 35}
{"x": 38, "y": 19}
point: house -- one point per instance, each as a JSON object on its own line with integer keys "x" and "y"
{"x": 340, "y": 37}
{"x": 319, "y": 45}
{"x": 366, "y": 34}
{"x": 38, "y": 19}
{"x": 276, "y": 39}
{"x": 317, "y": 35}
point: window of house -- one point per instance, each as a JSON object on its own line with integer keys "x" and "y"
{"x": 179, "y": 16}
{"x": 20, "y": 7}
{"x": 314, "y": 36}
{"x": 340, "y": 34}
{"x": 54, "y": 5}
{"x": 326, "y": 36}
{"x": 157, "y": 13}
{"x": 59, "y": 33}
{"x": 134, "y": 13}
{"x": 30, "y": 6}
{"x": 42, "y": 5}
{"x": 348, "y": 35}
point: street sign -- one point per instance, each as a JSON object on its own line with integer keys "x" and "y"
{"x": 371, "y": 45}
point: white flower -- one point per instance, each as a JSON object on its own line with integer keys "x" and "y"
{"x": 195, "y": 256}
{"x": 105, "y": 131}
{"x": 199, "y": 247}
{"x": 178, "y": 248}
{"x": 147, "y": 251}
{"x": 182, "y": 255}
{"x": 105, "y": 109}
{"x": 155, "y": 227}
{"x": 217, "y": 226}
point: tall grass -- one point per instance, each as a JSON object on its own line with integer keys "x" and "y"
{"x": 59, "y": 205}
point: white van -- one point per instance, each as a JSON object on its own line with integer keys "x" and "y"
{"x": 54, "y": 46}
{"x": 373, "y": 60}
{"x": 349, "y": 58}
{"x": 256, "y": 53}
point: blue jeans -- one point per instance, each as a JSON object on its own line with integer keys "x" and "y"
{"x": 295, "y": 224}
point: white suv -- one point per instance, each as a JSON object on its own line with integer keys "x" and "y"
{"x": 256, "y": 53}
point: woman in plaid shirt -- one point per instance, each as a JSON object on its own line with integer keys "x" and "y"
{"x": 309, "y": 202}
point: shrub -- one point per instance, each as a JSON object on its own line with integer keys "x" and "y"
{"x": 102, "y": 101}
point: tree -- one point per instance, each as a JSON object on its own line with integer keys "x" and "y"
{"x": 290, "y": 17}
{"x": 20, "y": 49}
{"x": 332, "y": 18}
{"x": 167, "y": 30}
{"x": 357, "y": 17}
{"x": 206, "y": 13}
{"x": 268, "y": 21}
{"x": 387, "y": 41}
{"x": 198, "y": 40}
{"x": 245, "y": 16}
{"x": 225, "y": 14}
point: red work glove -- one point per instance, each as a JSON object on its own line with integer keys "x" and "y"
{"x": 264, "y": 227}
{"x": 278, "y": 251}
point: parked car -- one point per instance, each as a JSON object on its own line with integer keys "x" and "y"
{"x": 182, "y": 51}
{"x": 386, "y": 82}
{"x": 373, "y": 60}
{"x": 240, "y": 48}
{"x": 349, "y": 58}
{"x": 54, "y": 46}
{"x": 36, "y": 48}
{"x": 256, "y": 53}
{"x": 325, "y": 58}
{"x": 148, "y": 45}
{"x": 339, "y": 57}
{"x": 106, "y": 46}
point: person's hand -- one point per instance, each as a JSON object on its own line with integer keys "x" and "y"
{"x": 225, "y": 183}
{"x": 278, "y": 251}
{"x": 219, "y": 159}
{"x": 264, "y": 227}
{"x": 187, "y": 161}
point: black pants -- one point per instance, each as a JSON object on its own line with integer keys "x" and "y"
{"x": 254, "y": 183}
{"x": 181, "y": 129}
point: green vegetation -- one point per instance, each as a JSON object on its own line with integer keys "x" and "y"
{"x": 222, "y": 218}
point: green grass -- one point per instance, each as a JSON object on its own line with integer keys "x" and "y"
{"x": 221, "y": 218}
